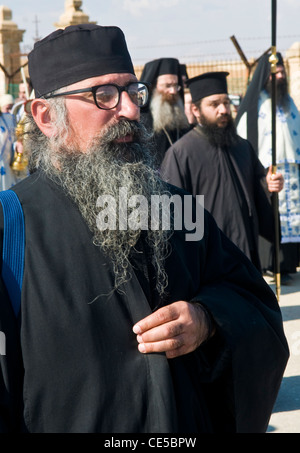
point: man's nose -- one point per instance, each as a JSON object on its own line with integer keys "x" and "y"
{"x": 279, "y": 75}
{"x": 223, "y": 108}
{"x": 126, "y": 108}
{"x": 172, "y": 89}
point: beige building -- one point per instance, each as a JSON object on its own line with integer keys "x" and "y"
{"x": 10, "y": 57}
{"x": 73, "y": 15}
{"x": 293, "y": 63}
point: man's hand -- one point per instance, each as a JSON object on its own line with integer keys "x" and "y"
{"x": 176, "y": 329}
{"x": 275, "y": 181}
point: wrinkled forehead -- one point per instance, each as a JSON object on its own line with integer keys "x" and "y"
{"x": 114, "y": 78}
{"x": 280, "y": 69}
{"x": 167, "y": 78}
{"x": 280, "y": 73}
{"x": 216, "y": 98}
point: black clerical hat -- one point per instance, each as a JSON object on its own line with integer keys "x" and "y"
{"x": 76, "y": 53}
{"x": 207, "y": 84}
{"x": 161, "y": 66}
{"x": 280, "y": 61}
{"x": 183, "y": 70}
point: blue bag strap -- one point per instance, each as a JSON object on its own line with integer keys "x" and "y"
{"x": 13, "y": 246}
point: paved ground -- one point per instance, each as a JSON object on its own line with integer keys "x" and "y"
{"x": 286, "y": 414}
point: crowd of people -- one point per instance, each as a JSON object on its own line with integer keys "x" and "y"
{"x": 11, "y": 115}
{"x": 121, "y": 326}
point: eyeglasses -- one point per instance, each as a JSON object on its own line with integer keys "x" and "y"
{"x": 170, "y": 86}
{"x": 107, "y": 97}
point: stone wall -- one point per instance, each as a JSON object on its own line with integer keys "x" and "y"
{"x": 239, "y": 75}
{"x": 10, "y": 57}
{"x": 73, "y": 15}
{"x": 293, "y": 66}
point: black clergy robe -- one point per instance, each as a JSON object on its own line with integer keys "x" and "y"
{"x": 163, "y": 139}
{"x": 72, "y": 363}
{"x": 233, "y": 182}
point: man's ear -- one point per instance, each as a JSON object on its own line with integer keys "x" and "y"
{"x": 195, "y": 110}
{"x": 40, "y": 111}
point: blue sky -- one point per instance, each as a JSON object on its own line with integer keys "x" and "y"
{"x": 185, "y": 29}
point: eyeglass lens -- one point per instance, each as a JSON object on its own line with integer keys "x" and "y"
{"x": 107, "y": 96}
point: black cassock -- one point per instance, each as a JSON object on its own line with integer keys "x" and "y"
{"x": 72, "y": 363}
{"x": 233, "y": 182}
{"x": 163, "y": 139}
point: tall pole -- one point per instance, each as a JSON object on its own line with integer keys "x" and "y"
{"x": 273, "y": 62}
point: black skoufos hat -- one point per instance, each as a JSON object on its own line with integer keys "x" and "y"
{"x": 76, "y": 53}
{"x": 161, "y": 66}
{"x": 207, "y": 84}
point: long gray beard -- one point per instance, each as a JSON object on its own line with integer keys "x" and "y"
{"x": 167, "y": 115}
{"x": 103, "y": 170}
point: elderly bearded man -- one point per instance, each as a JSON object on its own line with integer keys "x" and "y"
{"x": 123, "y": 330}
{"x": 165, "y": 114}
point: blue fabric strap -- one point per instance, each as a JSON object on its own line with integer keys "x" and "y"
{"x": 13, "y": 246}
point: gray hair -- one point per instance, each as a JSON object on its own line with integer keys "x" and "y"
{"x": 35, "y": 139}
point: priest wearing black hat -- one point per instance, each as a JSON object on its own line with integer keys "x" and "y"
{"x": 165, "y": 114}
{"x": 115, "y": 326}
{"x": 254, "y": 122}
{"x": 212, "y": 160}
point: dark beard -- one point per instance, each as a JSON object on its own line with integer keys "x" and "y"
{"x": 219, "y": 136}
{"x": 282, "y": 98}
{"x": 102, "y": 171}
